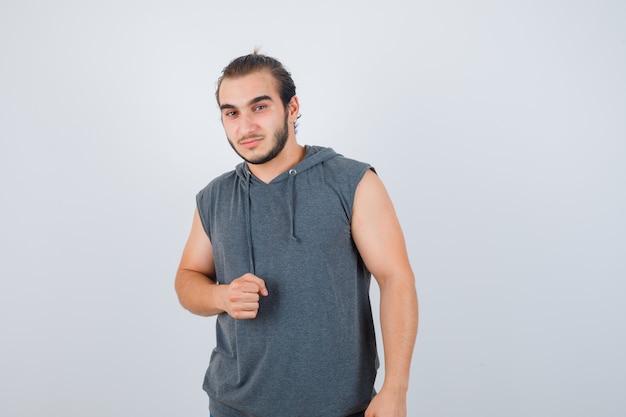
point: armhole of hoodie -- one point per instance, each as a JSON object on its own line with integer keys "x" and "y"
{"x": 355, "y": 184}
{"x": 203, "y": 212}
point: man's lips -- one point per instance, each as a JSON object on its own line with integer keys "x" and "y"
{"x": 250, "y": 142}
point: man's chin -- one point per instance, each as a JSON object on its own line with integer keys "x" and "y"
{"x": 259, "y": 160}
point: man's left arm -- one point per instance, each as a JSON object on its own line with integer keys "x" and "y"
{"x": 380, "y": 241}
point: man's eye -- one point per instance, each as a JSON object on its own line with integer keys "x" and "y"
{"x": 260, "y": 107}
{"x": 230, "y": 113}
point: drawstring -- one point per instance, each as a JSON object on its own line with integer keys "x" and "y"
{"x": 249, "y": 221}
{"x": 291, "y": 200}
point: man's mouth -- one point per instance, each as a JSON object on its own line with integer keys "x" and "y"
{"x": 250, "y": 142}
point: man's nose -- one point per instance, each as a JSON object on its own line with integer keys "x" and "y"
{"x": 247, "y": 124}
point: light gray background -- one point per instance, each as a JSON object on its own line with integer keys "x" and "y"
{"x": 498, "y": 128}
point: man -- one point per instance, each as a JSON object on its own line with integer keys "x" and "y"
{"x": 281, "y": 249}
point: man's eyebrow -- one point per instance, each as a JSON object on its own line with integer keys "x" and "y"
{"x": 227, "y": 106}
{"x": 260, "y": 98}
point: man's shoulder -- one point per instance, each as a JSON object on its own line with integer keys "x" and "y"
{"x": 330, "y": 159}
{"x": 221, "y": 182}
{"x": 226, "y": 177}
{"x": 341, "y": 166}
{"x": 341, "y": 161}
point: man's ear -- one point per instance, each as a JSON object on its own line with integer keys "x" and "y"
{"x": 293, "y": 108}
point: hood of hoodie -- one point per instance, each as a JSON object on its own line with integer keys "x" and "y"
{"x": 314, "y": 155}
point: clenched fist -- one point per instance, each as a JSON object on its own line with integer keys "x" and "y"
{"x": 241, "y": 297}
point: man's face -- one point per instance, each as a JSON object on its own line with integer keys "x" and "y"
{"x": 254, "y": 118}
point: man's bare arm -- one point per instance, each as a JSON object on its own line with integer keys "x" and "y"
{"x": 196, "y": 285}
{"x": 379, "y": 239}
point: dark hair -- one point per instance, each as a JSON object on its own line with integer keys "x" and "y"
{"x": 254, "y": 62}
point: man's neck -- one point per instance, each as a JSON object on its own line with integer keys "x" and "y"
{"x": 289, "y": 157}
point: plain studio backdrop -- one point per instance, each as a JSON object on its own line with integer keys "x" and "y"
{"x": 497, "y": 126}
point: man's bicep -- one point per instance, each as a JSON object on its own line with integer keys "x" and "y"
{"x": 376, "y": 230}
{"x": 198, "y": 252}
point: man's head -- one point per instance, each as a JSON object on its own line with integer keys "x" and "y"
{"x": 258, "y": 106}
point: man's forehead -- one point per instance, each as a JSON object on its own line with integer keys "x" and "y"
{"x": 241, "y": 90}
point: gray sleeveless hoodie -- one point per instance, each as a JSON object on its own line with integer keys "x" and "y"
{"x": 311, "y": 350}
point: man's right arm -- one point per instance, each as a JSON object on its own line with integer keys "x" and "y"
{"x": 196, "y": 283}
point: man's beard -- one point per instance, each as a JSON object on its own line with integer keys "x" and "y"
{"x": 280, "y": 140}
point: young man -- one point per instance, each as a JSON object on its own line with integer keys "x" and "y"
{"x": 281, "y": 249}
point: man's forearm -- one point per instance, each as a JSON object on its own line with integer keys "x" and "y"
{"x": 198, "y": 293}
{"x": 399, "y": 318}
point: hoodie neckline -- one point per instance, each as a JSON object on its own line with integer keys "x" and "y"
{"x": 314, "y": 155}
